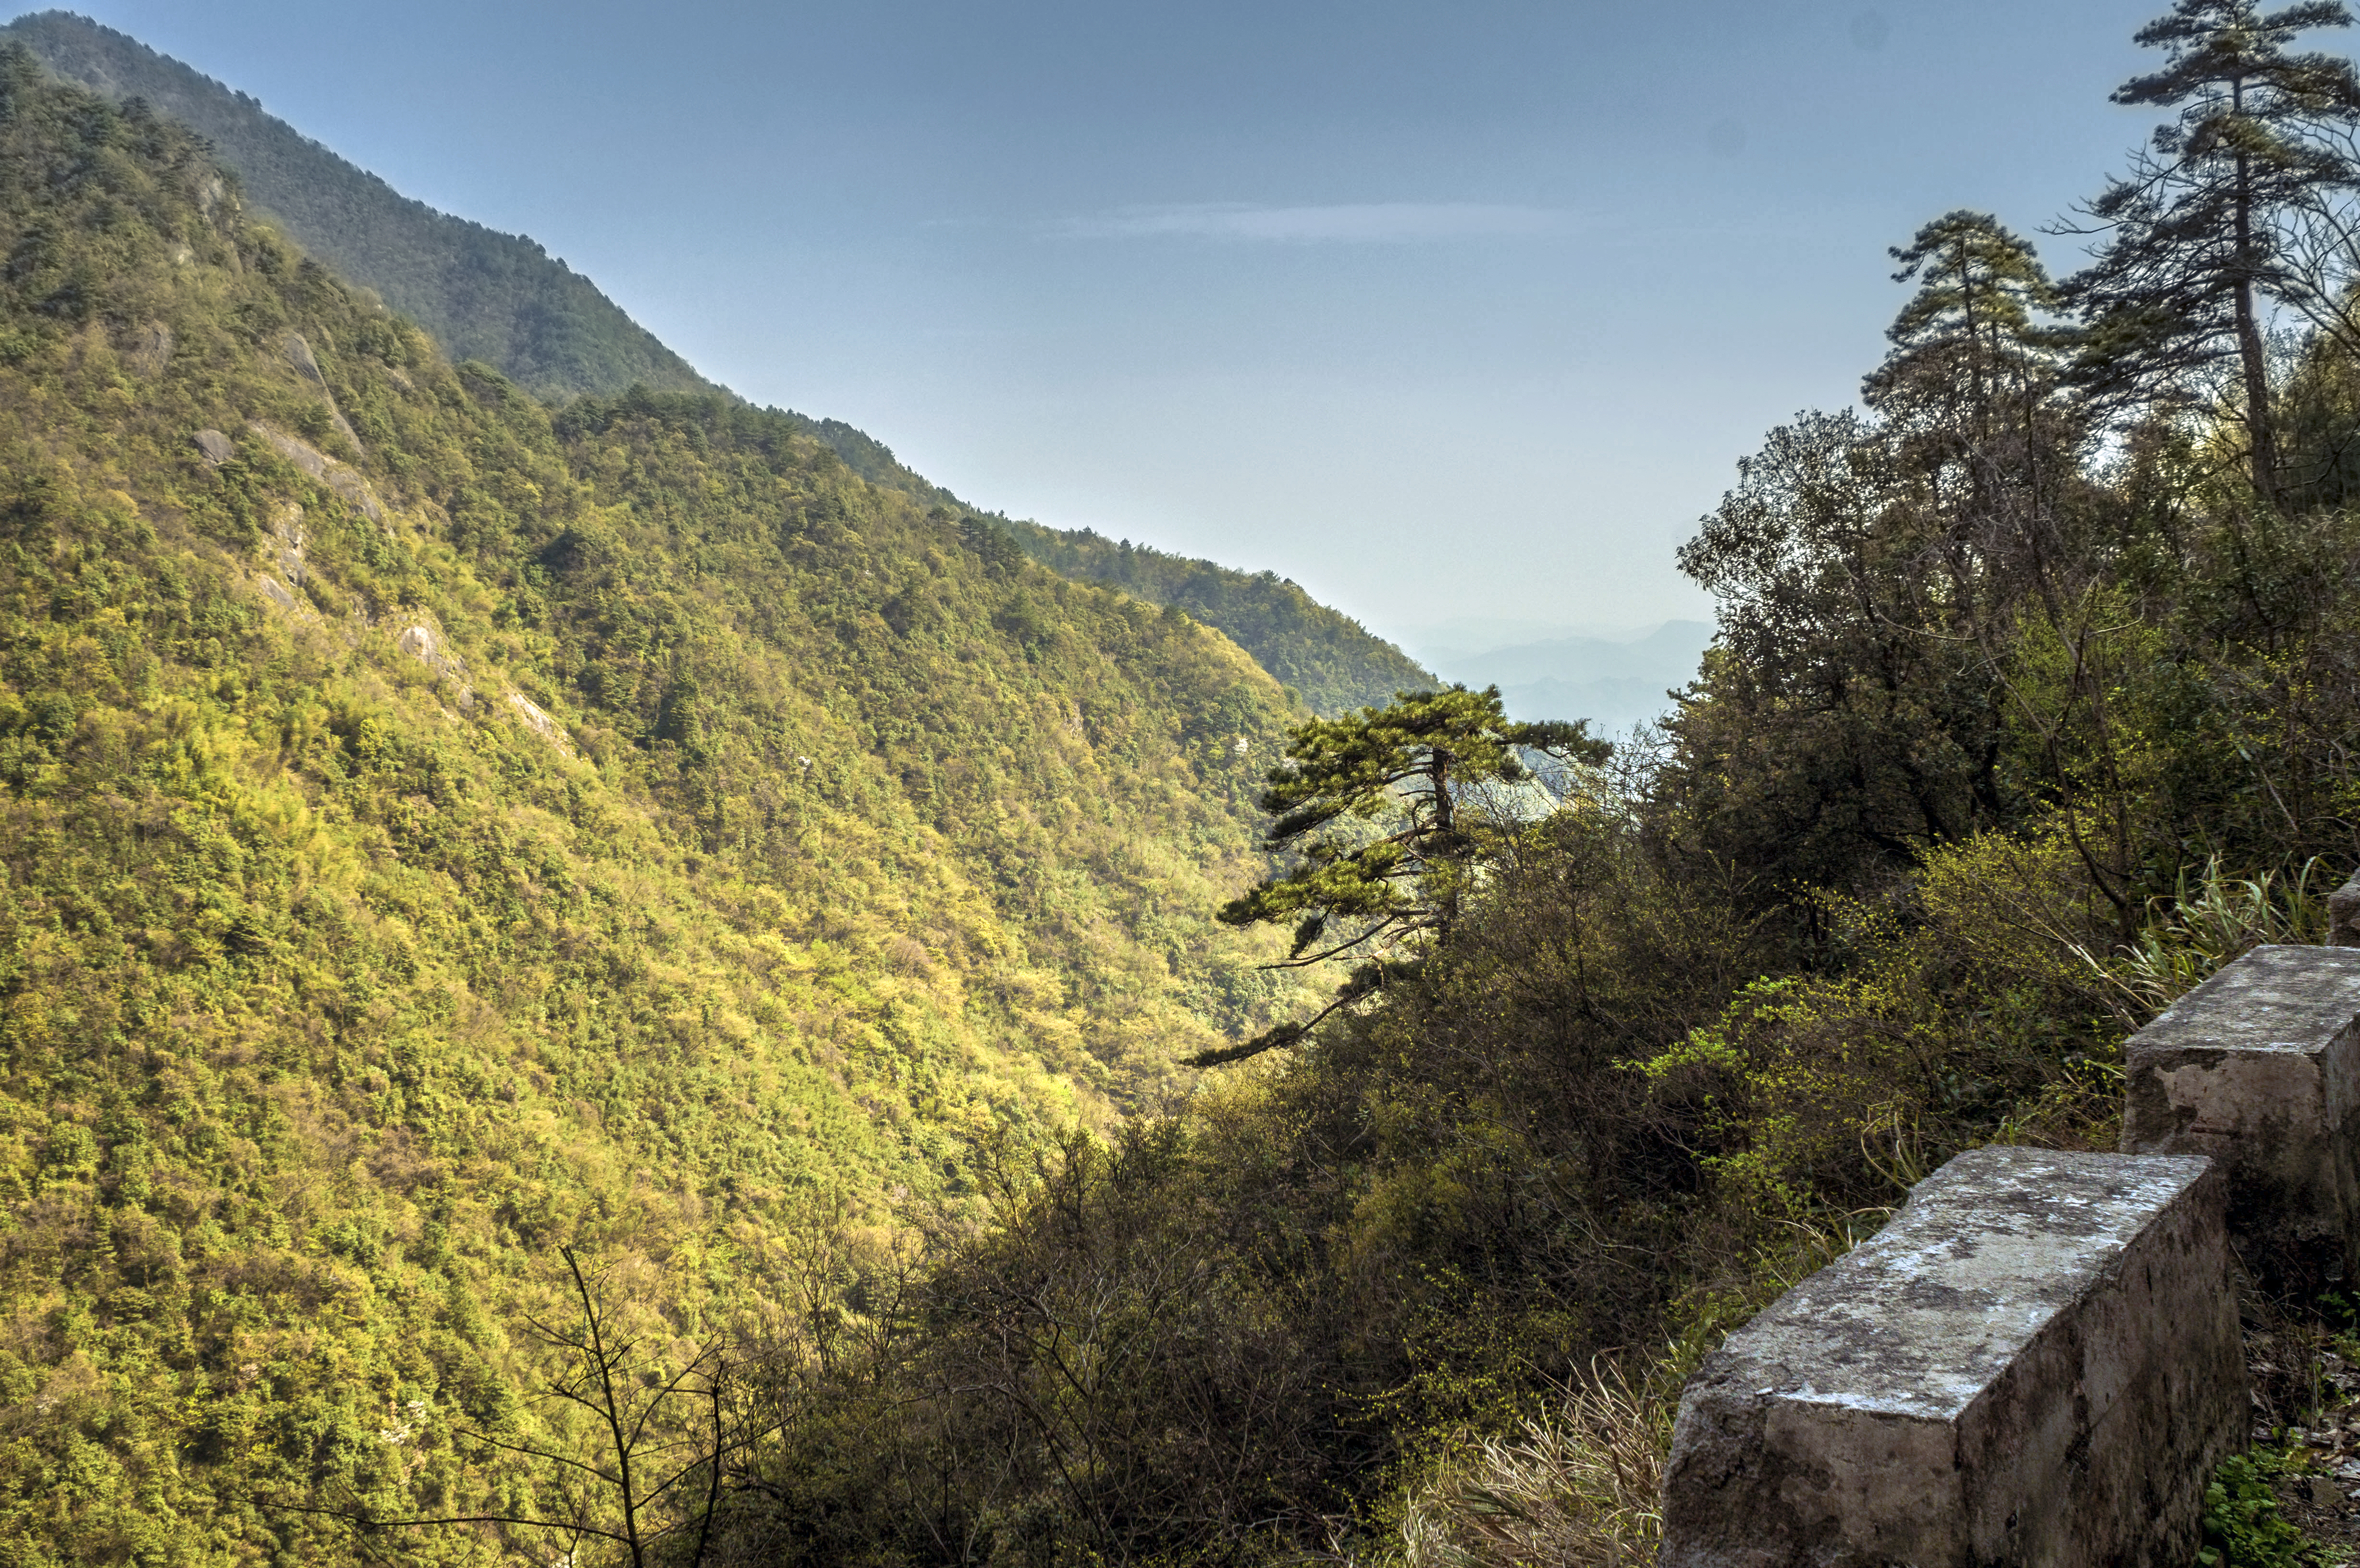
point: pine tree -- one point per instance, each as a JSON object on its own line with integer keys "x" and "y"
{"x": 1382, "y": 810}
{"x": 1970, "y": 345}
{"x": 2197, "y": 229}
{"x": 1971, "y": 410}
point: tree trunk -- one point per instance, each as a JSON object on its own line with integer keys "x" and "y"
{"x": 2257, "y": 396}
{"x": 2258, "y": 432}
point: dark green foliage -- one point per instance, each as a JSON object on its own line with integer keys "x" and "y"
{"x": 1392, "y": 814}
{"x": 1420, "y": 767}
{"x": 1969, "y": 350}
{"x": 2222, "y": 214}
{"x": 1129, "y": 1364}
{"x": 1263, "y": 1319}
{"x": 2001, "y": 751}
{"x": 2009, "y": 740}
{"x": 2243, "y": 1526}
{"x": 1873, "y": 573}
{"x": 1864, "y": 739}
{"x": 1324, "y": 657}
{"x": 874, "y": 460}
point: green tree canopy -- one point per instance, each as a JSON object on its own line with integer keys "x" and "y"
{"x": 1971, "y": 343}
{"x": 1985, "y": 450}
{"x": 2198, "y": 230}
{"x": 1383, "y": 812}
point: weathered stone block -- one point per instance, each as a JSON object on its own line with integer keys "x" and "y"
{"x": 2343, "y": 915}
{"x": 2259, "y": 1068}
{"x": 2036, "y": 1361}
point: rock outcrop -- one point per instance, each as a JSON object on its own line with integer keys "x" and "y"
{"x": 340, "y": 477}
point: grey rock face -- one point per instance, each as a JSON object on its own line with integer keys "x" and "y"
{"x": 336, "y": 476}
{"x": 216, "y": 447}
{"x": 2259, "y": 1068}
{"x": 538, "y": 720}
{"x": 294, "y": 449}
{"x": 300, "y": 356}
{"x": 422, "y": 644}
{"x": 2035, "y": 1362}
{"x": 285, "y": 546}
{"x": 150, "y": 351}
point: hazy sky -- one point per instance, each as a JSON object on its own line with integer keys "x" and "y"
{"x": 1443, "y": 311}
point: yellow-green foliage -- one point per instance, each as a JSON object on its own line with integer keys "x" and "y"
{"x": 1972, "y": 1009}
{"x": 338, "y": 989}
{"x": 1987, "y": 1004}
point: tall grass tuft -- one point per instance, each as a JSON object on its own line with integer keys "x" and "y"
{"x": 1581, "y": 1489}
{"x": 2213, "y": 919}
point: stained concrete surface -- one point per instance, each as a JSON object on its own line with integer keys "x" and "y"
{"x": 2036, "y": 1361}
{"x": 2260, "y": 1068}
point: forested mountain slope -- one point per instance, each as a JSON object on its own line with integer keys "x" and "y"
{"x": 2029, "y": 706}
{"x": 1327, "y": 656}
{"x": 482, "y": 294}
{"x": 502, "y": 299}
{"x": 445, "y": 838}
{"x": 437, "y": 831}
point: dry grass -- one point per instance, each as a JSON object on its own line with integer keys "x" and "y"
{"x": 1583, "y": 1490}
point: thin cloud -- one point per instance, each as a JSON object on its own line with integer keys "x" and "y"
{"x": 1353, "y": 222}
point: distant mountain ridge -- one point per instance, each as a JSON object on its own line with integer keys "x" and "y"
{"x": 1330, "y": 660}
{"x": 482, "y": 294}
{"x": 503, "y": 299}
{"x": 1614, "y": 683}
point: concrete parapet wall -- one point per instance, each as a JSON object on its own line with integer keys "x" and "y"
{"x": 2343, "y": 915}
{"x": 2260, "y": 1068}
{"x": 2035, "y": 1362}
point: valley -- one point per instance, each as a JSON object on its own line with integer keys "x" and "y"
{"x": 593, "y": 973}
{"x": 442, "y": 827}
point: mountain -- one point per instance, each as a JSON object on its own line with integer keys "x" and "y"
{"x": 481, "y": 294}
{"x": 441, "y": 831}
{"x": 502, "y": 299}
{"x": 1669, "y": 652}
{"x": 1330, "y": 659}
{"x": 1614, "y": 683}
{"x": 1464, "y": 636}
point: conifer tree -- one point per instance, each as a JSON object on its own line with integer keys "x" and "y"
{"x": 1376, "y": 807}
{"x": 2196, "y": 231}
{"x": 1971, "y": 411}
{"x": 1969, "y": 343}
